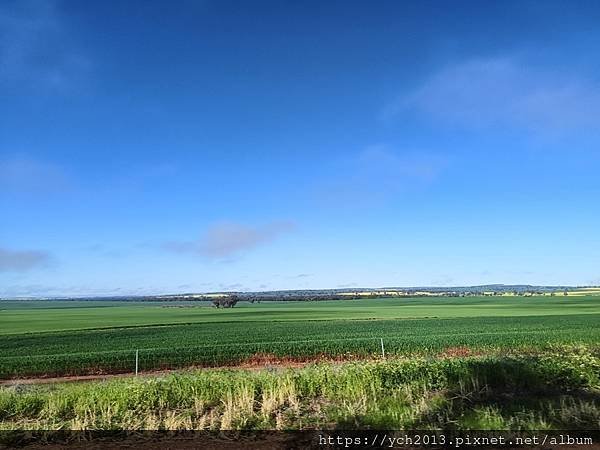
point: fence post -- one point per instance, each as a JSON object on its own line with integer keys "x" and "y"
{"x": 137, "y": 359}
{"x": 382, "y": 349}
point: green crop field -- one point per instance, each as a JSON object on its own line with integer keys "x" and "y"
{"x": 34, "y": 316}
{"x": 41, "y": 338}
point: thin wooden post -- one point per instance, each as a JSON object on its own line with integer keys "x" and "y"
{"x": 137, "y": 361}
{"x": 382, "y": 349}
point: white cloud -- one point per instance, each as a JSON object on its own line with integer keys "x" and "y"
{"x": 22, "y": 260}
{"x": 503, "y": 92}
{"x": 227, "y": 239}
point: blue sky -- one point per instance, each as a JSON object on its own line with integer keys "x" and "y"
{"x": 152, "y": 147}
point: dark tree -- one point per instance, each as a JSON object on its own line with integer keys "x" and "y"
{"x": 228, "y": 301}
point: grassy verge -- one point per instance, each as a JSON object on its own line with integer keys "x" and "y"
{"x": 557, "y": 389}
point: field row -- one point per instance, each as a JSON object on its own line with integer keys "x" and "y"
{"x": 212, "y": 344}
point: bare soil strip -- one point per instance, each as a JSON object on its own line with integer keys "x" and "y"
{"x": 256, "y": 362}
{"x": 260, "y": 361}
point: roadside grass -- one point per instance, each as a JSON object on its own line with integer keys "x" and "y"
{"x": 556, "y": 389}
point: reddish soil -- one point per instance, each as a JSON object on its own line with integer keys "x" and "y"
{"x": 458, "y": 352}
{"x": 259, "y": 361}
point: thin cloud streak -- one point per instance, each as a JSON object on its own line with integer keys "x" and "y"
{"x": 36, "y": 47}
{"x": 26, "y": 175}
{"x": 376, "y": 175}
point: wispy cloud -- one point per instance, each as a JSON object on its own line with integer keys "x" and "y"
{"x": 26, "y": 175}
{"x": 594, "y": 282}
{"x": 504, "y": 92}
{"x": 376, "y": 174}
{"x": 42, "y": 290}
{"x": 232, "y": 287}
{"x": 22, "y": 260}
{"x": 102, "y": 250}
{"x": 442, "y": 280}
{"x": 228, "y": 239}
{"x": 36, "y": 46}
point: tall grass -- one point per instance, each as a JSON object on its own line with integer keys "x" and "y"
{"x": 556, "y": 389}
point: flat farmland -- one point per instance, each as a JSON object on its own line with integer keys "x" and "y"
{"x": 39, "y": 338}
{"x": 36, "y": 316}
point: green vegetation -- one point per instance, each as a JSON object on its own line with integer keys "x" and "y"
{"x": 557, "y": 389}
{"x": 33, "y": 316}
{"x": 102, "y": 338}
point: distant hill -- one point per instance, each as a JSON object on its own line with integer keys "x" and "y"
{"x": 349, "y": 293}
